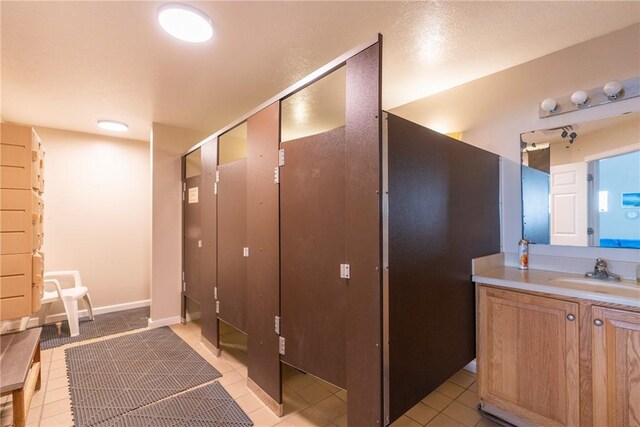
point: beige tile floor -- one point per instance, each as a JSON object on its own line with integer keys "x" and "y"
{"x": 308, "y": 401}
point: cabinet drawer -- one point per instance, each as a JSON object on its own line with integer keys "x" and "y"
{"x": 15, "y": 276}
{"x": 16, "y": 213}
{"x": 16, "y": 156}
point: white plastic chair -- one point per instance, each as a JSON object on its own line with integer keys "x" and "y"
{"x": 68, "y": 296}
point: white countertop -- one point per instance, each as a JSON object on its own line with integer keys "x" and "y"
{"x": 626, "y": 292}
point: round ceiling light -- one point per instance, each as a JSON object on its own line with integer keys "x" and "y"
{"x": 113, "y": 126}
{"x": 185, "y": 22}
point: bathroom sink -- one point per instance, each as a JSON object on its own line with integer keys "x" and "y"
{"x": 599, "y": 286}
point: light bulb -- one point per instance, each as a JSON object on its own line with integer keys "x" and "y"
{"x": 185, "y": 22}
{"x": 612, "y": 89}
{"x": 113, "y": 126}
{"x": 579, "y": 98}
{"x": 549, "y": 105}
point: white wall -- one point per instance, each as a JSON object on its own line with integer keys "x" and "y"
{"x": 493, "y": 111}
{"x": 96, "y": 213}
{"x": 168, "y": 143}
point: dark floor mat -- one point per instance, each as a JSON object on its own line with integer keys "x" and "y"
{"x": 209, "y": 405}
{"x": 102, "y": 325}
{"x": 112, "y": 377}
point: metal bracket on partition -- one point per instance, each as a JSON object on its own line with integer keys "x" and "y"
{"x": 276, "y": 175}
{"x": 245, "y": 252}
{"x": 281, "y": 346}
{"x": 215, "y": 188}
{"x": 215, "y": 292}
{"x": 184, "y": 286}
{"x": 217, "y": 176}
{"x": 217, "y": 307}
{"x": 345, "y": 271}
{"x": 281, "y": 157}
{"x": 277, "y": 325}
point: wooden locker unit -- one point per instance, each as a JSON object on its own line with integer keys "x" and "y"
{"x": 21, "y": 221}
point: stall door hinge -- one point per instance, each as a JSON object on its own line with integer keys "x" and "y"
{"x": 281, "y": 345}
{"x": 215, "y": 292}
{"x": 217, "y": 176}
{"x": 184, "y": 190}
{"x": 276, "y": 175}
{"x": 217, "y": 307}
{"x": 184, "y": 286}
{"x": 245, "y": 252}
{"x": 277, "y": 324}
{"x": 215, "y": 188}
{"x": 345, "y": 271}
{"x": 183, "y": 276}
{"x": 281, "y": 157}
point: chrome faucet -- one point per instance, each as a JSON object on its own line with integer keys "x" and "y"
{"x": 600, "y": 272}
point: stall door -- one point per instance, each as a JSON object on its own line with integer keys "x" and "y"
{"x": 313, "y": 296}
{"x": 192, "y": 238}
{"x": 232, "y": 241}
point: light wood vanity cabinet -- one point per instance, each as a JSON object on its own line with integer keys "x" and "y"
{"x": 553, "y": 361}
{"x": 528, "y": 356}
{"x": 616, "y": 367}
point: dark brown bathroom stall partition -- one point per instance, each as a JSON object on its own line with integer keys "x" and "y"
{"x": 232, "y": 239}
{"x": 209, "y": 322}
{"x": 192, "y": 238}
{"x": 313, "y": 296}
{"x": 443, "y": 212}
{"x": 263, "y": 236}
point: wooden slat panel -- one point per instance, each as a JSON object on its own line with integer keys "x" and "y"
{"x": 313, "y": 296}
{"x": 443, "y": 212}
{"x": 192, "y": 234}
{"x": 208, "y": 272}
{"x": 263, "y": 236}
{"x": 232, "y": 238}
{"x": 363, "y": 238}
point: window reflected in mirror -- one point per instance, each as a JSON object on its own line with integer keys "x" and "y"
{"x": 581, "y": 183}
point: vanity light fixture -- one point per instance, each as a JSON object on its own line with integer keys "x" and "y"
{"x": 612, "y": 89}
{"x": 110, "y": 125}
{"x": 549, "y": 105}
{"x": 185, "y": 22}
{"x": 580, "y": 98}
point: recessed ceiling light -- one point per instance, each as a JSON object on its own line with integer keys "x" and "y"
{"x": 113, "y": 126}
{"x": 185, "y": 22}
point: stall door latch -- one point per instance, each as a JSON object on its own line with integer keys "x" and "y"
{"x": 277, "y": 325}
{"x": 345, "y": 271}
{"x": 281, "y": 346}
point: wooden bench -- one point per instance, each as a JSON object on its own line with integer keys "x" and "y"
{"x": 20, "y": 373}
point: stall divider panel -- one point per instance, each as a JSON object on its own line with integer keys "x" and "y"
{"x": 232, "y": 241}
{"x": 364, "y": 237}
{"x": 192, "y": 239}
{"x": 312, "y": 236}
{"x": 209, "y": 319}
{"x": 263, "y": 266}
{"x": 443, "y": 212}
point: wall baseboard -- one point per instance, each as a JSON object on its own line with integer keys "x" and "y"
{"x": 58, "y": 317}
{"x": 164, "y": 322}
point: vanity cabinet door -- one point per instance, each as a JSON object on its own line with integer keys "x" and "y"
{"x": 528, "y": 361}
{"x": 616, "y": 367}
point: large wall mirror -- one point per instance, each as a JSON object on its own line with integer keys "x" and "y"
{"x": 581, "y": 183}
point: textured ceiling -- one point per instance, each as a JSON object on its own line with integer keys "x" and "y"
{"x": 68, "y": 64}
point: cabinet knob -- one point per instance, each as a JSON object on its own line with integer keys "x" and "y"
{"x": 571, "y": 317}
{"x": 597, "y": 322}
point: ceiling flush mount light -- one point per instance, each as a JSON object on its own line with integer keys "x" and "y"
{"x": 612, "y": 89}
{"x": 579, "y": 98}
{"x": 113, "y": 126}
{"x": 185, "y": 22}
{"x": 549, "y": 105}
